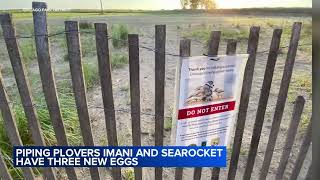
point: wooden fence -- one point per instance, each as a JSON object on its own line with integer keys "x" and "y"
{"x": 75, "y": 59}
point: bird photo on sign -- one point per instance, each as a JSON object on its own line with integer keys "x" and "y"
{"x": 206, "y": 92}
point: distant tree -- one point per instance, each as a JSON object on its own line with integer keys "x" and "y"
{"x": 195, "y": 4}
{"x": 208, "y": 4}
{"x": 184, "y": 4}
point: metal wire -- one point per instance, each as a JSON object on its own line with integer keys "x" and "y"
{"x": 266, "y": 51}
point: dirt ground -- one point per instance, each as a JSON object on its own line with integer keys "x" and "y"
{"x": 177, "y": 26}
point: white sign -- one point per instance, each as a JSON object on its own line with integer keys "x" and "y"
{"x": 208, "y": 94}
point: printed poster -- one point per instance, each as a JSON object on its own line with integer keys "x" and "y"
{"x": 209, "y": 93}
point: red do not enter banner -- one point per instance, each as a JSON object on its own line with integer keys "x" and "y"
{"x": 206, "y": 110}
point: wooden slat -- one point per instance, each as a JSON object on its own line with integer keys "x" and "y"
{"x": 185, "y": 46}
{"x": 10, "y": 125}
{"x": 296, "y": 116}
{"x": 160, "y": 45}
{"x": 106, "y": 87}
{"x": 244, "y": 100}
{"x": 214, "y": 42}
{"x": 231, "y": 50}
{"x": 282, "y": 97}
{"x": 133, "y": 41}
{"x": 231, "y": 47}
{"x": 78, "y": 84}
{"x": 302, "y": 153}
{"x": 47, "y": 76}
{"x": 263, "y": 100}
{"x": 4, "y": 173}
{"x": 315, "y": 94}
{"x": 213, "y": 48}
{"x": 17, "y": 64}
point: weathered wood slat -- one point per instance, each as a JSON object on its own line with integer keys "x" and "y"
{"x": 185, "y": 46}
{"x": 78, "y": 84}
{"x": 263, "y": 100}
{"x": 102, "y": 45}
{"x": 133, "y": 41}
{"x": 4, "y": 173}
{"x": 231, "y": 47}
{"x": 47, "y": 76}
{"x": 294, "y": 124}
{"x": 10, "y": 125}
{"x": 214, "y": 42}
{"x": 244, "y": 100}
{"x": 282, "y": 97}
{"x": 160, "y": 46}
{"x": 17, "y": 64}
{"x": 213, "y": 49}
{"x": 302, "y": 153}
{"x": 231, "y": 50}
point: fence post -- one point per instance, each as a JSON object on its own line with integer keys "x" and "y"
{"x": 302, "y": 153}
{"x": 185, "y": 46}
{"x": 160, "y": 44}
{"x": 296, "y": 116}
{"x": 214, "y": 42}
{"x": 231, "y": 46}
{"x": 133, "y": 41}
{"x": 244, "y": 100}
{"x": 231, "y": 50}
{"x": 47, "y": 77}
{"x": 78, "y": 84}
{"x": 4, "y": 173}
{"x": 282, "y": 97}
{"x": 213, "y": 47}
{"x": 263, "y": 100}
{"x": 10, "y": 125}
{"x": 9, "y": 35}
{"x": 102, "y": 45}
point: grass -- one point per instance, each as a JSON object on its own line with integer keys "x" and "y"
{"x": 124, "y": 88}
{"x": 128, "y": 174}
{"x": 118, "y": 60}
{"x": 70, "y": 119}
{"x": 88, "y": 45}
{"x": 203, "y": 33}
{"x": 119, "y": 36}
{"x": 27, "y": 46}
{"x": 91, "y": 75}
{"x": 91, "y": 71}
{"x": 301, "y": 84}
{"x": 19, "y": 14}
{"x": 28, "y": 50}
{"x": 85, "y": 25}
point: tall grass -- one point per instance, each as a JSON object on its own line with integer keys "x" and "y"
{"x": 119, "y": 35}
{"x": 85, "y": 25}
{"x": 91, "y": 74}
{"x": 91, "y": 70}
{"x": 118, "y": 60}
{"x": 203, "y": 34}
{"x": 70, "y": 119}
{"x": 28, "y": 50}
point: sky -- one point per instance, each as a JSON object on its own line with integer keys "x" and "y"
{"x": 149, "y": 4}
